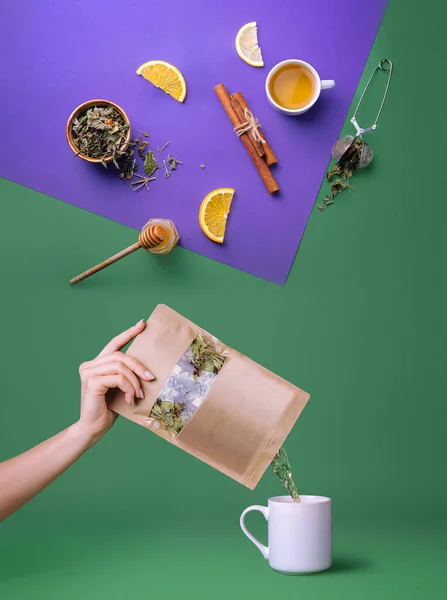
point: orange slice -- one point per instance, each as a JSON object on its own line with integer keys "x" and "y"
{"x": 214, "y": 212}
{"x": 165, "y": 76}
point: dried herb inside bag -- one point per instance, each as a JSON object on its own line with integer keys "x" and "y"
{"x": 246, "y": 415}
{"x": 186, "y": 387}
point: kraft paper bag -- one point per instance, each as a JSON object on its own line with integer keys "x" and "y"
{"x": 209, "y": 399}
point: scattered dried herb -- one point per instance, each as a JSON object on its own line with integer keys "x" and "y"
{"x": 160, "y": 150}
{"x": 167, "y": 172}
{"x": 283, "y": 471}
{"x": 127, "y": 162}
{"x": 338, "y": 186}
{"x": 173, "y": 162}
{"x": 100, "y": 132}
{"x": 141, "y": 182}
{"x": 343, "y": 170}
{"x": 142, "y": 146}
{"x": 150, "y": 163}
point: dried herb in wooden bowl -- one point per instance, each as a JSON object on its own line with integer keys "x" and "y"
{"x": 100, "y": 132}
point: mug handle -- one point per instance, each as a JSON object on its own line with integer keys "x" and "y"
{"x": 326, "y": 84}
{"x": 265, "y": 511}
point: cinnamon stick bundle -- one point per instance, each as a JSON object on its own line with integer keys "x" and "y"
{"x": 235, "y": 108}
{"x": 268, "y": 153}
{"x": 239, "y": 109}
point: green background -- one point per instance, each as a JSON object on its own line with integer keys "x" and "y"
{"x": 360, "y": 324}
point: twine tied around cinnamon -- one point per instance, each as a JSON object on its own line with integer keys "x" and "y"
{"x": 251, "y": 125}
{"x": 260, "y": 152}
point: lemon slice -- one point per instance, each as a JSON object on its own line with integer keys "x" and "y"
{"x": 165, "y": 76}
{"x": 247, "y": 45}
{"x": 214, "y": 212}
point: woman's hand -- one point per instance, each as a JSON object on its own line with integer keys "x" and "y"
{"x": 110, "y": 369}
{"x": 24, "y": 476}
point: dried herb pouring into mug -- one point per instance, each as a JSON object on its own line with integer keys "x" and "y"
{"x": 283, "y": 470}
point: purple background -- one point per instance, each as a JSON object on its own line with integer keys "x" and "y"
{"x": 55, "y": 55}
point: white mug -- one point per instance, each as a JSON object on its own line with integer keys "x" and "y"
{"x": 299, "y": 534}
{"x": 320, "y": 85}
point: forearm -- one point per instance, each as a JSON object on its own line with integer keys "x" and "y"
{"x": 24, "y": 476}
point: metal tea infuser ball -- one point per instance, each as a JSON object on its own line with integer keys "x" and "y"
{"x": 340, "y": 147}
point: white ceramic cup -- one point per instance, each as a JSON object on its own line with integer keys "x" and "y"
{"x": 324, "y": 84}
{"x": 299, "y": 534}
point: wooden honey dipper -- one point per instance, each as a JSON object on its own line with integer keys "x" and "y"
{"x": 149, "y": 237}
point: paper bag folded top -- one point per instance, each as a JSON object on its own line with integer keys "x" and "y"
{"x": 236, "y": 414}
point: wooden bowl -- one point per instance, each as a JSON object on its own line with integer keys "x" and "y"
{"x": 82, "y": 108}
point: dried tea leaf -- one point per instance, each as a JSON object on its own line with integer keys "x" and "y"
{"x": 167, "y": 172}
{"x": 140, "y": 182}
{"x": 150, "y": 163}
{"x": 345, "y": 167}
{"x": 335, "y": 170}
{"x": 350, "y": 160}
{"x": 283, "y": 471}
{"x": 169, "y": 415}
{"x": 351, "y": 156}
{"x": 100, "y": 132}
{"x": 204, "y": 358}
{"x": 142, "y": 145}
{"x": 173, "y": 162}
{"x": 187, "y": 386}
{"x": 338, "y": 186}
{"x": 160, "y": 150}
{"x": 128, "y": 162}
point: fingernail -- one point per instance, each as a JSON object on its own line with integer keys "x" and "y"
{"x": 149, "y": 375}
{"x": 139, "y": 322}
{"x": 141, "y": 394}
